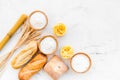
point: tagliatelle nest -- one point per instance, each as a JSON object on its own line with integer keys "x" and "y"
{"x": 59, "y": 29}
{"x": 67, "y": 52}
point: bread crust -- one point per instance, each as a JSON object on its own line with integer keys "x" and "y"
{"x": 34, "y": 66}
{"x": 55, "y": 67}
{"x": 25, "y": 55}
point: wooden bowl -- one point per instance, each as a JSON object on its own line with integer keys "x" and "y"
{"x": 46, "y": 18}
{"x": 82, "y": 54}
{"x": 44, "y": 38}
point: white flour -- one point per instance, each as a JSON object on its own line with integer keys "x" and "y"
{"x": 80, "y": 63}
{"x": 37, "y": 20}
{"x": 48, "y": 45}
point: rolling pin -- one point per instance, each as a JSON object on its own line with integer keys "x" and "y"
{"x": 20, "y": 21}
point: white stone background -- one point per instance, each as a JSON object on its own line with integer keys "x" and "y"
{"x": 93, "y": 26}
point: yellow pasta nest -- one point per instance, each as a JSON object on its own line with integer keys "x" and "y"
{"x": 59, "y": 29}
{"x": 67, "y": 52}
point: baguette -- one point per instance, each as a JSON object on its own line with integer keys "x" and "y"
{"x": 32, "y": 67}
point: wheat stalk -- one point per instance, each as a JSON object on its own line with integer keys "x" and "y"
{"x": 28, "y": 33}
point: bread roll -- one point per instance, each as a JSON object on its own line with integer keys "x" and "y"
{"x": 32, "y": 67}
{"x": 25, "y": 55}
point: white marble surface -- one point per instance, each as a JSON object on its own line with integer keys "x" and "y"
{"x": 92, "y": 26}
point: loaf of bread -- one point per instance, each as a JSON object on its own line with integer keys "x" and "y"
{"x": 32, "y": 67}
{"x": 55, "y": 67}
{"x": 25, "y": 55}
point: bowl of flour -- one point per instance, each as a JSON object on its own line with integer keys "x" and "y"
{"x": 48, "y": 44}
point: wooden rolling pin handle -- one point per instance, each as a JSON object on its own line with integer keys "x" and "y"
{"x": 21, "y": 20}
